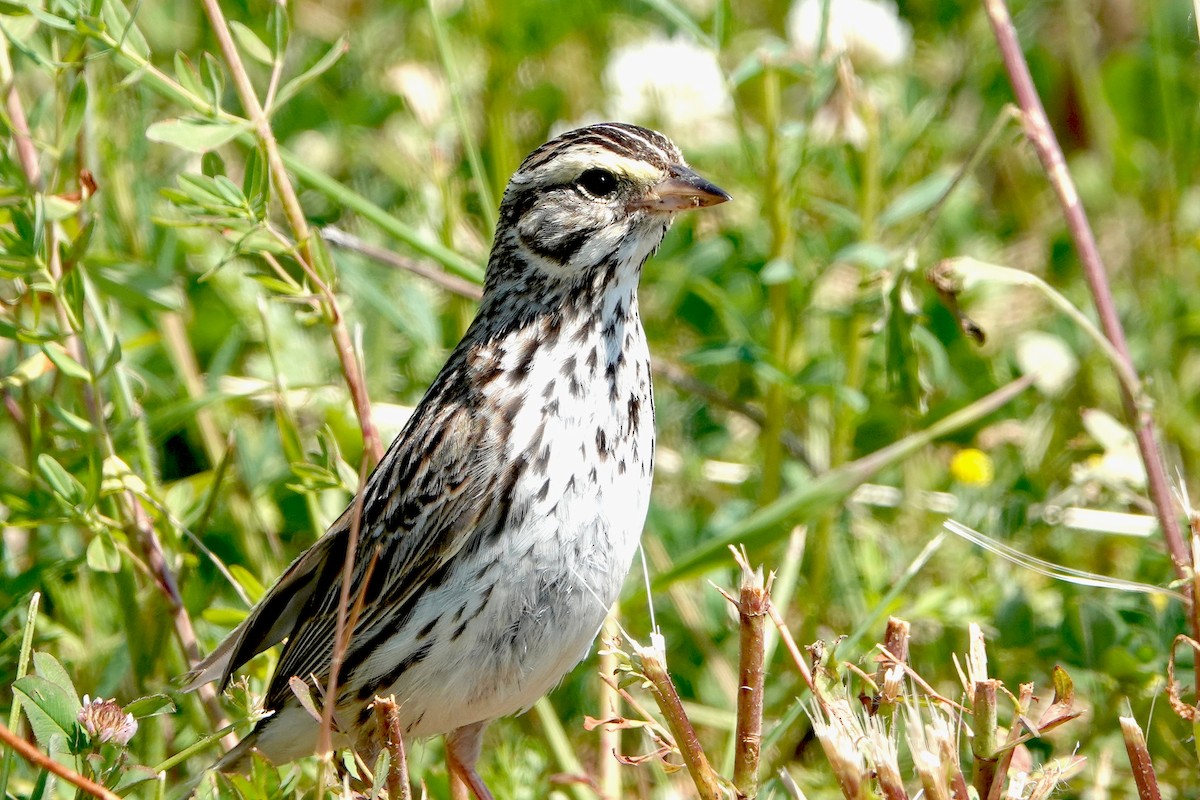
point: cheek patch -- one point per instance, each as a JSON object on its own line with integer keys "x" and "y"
{"x": 557, "y": 229}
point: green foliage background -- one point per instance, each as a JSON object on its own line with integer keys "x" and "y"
{"x": 783, "y": 351}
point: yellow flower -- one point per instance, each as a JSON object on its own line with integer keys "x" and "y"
{"x": 972, "y": 467}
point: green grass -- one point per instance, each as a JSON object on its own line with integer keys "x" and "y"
{"x": 162, "y": 347}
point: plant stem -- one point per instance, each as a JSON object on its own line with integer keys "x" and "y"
{"x": 1139, "y": 760}
{"x": 392, "y": 733}
{"x": 1041, "y": 135}
{"x": 560, "y": 746}
{"x": 43, "y": 761}
{"x": 487, "y": 205}
{"x": 985, "y": 742}
{"x": 307, "y": 254}
{"x": 607, "y": 765}
{"x": 778, "y": 293}
{"x": 654, "y": 668}
{"x": 753, "y": 598}
{"x": 14, "y": 713}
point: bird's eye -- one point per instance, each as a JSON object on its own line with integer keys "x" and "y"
{"x": 597, "y": 182}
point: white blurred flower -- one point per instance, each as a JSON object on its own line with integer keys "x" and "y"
{"x": 869, "y": 32}
{"x": 839, "y": 121}
{"x": 1121, "y": 463}
{"x": 1048, "y": 359}
{"x": 317, "y": 150}
{"x": 423, "y": 89}
{"x": 105, "y": 722}
{"x": 673, "y": 83}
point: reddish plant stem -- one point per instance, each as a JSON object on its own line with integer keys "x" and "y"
{"x": 752, "y": 614}
{"x": 1037, "y": 128}
{"x": 1139, "y": 760}
{"x": 305, "y": 253}
{"x": 1041, "y": 135}
{"x": 43, "y": 761}
{"x": 681, "y": 727}
{"x": 392, "y": 733}
{"x": 343, "y": 626}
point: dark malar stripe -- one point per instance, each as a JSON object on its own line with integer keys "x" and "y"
{"x": 559, "y": 247}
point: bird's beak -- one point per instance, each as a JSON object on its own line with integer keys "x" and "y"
{"x": 681, "y": 190}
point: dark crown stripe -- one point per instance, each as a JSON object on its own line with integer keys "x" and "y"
{"x": 626, "y": 140}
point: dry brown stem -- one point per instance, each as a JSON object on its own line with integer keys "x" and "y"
{"x": 1139, "y": 760}
{"x": 392, "y": 734}
{"x": 305, "y": 252}
{"x": 686, "y": 739}
{"x": 753, "y": 598}
{"x": 43, "y": 761}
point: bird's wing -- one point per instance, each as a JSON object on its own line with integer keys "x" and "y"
{"x": 441, "y": 480}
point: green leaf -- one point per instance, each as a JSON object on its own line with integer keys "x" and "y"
{"x": 225, "y": 617}
{"x": 79, "y": 244}
{"x": 296, "y": 84}
{"x": 211, "y": 164}
{"x": 134, "y": 775}
{"x": 61, "y": 482}
{"x": 28, "y": 370}
{"x": 103, "y": 555}
{"x": 250, "y": 584}
{"x": 195, "y": 135}
{"x": 250, "y": 43}
{"x": 214, "y": 75}
{"x": 111, "y": 358}
{"x": 64, "y": 362}
{"x": 75, "y": 111}
{"x": 778, "y": 270}
{"x": 48, "y": 667}
{"x": 45, "y": 786}
{"x": 51, "y": 710}
{"x": 230, "y": 191}
{"x": 186, "y": 74}
{"x": 72, "y": 421}
{"x": 256, "y": 181}
{"x": 871, "y": 255}
{"x": 116, "y": 17}
{"x": 916, "y": 199}
{"x": 150, "y": 706}
{"x": 279, "y": 25}
{"x": 138, "y": 288}
{"x": 59, "y": 208}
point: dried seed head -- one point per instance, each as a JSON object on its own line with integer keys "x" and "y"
{"x": 840, "y": 735}
{"x": 932, "y": 746}
{"x": 893, "y": 684}
{"x": 882, "y": 750}
{"x": 106, "y": 722}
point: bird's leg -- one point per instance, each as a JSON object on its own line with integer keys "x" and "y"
{"x": 462, "y": 751}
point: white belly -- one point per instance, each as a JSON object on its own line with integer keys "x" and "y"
{"x": 512, "y": 621}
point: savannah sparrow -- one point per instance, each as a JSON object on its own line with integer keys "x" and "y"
{"x": 504, "y": 517}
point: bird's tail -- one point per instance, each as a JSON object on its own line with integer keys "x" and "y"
{"x": 240, "y": 757}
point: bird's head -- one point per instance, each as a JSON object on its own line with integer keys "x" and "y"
{"x": 599, "y": 197}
